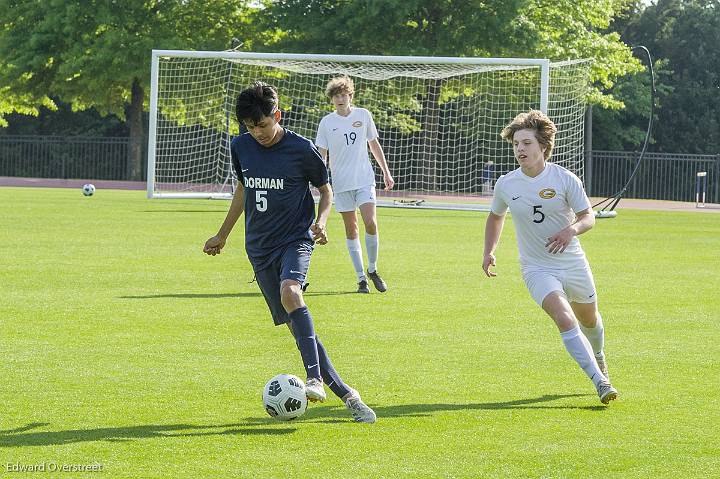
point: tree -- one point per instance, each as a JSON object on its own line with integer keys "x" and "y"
{"x": 60, "y": 119}
{"x": 688, "y": 37}
{"x": 392, "y": 27}
{"x": 682, "y": 36}
{"x": 23, "y": 103}
{"x": 625, "y": 129}
{"x": 97, "y": 53}
{"x": 555, "y": 29}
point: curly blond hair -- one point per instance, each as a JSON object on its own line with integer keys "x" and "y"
{"x": 536, "y": 120}
{"x": 341, "y": 84}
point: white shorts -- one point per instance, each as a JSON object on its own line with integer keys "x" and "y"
{"x": 352, "y": 199}
{"x": 577, "y": 284}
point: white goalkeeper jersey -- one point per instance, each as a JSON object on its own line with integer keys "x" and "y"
{"x": 346, "y": 139}
{"x": 541, "y": 207}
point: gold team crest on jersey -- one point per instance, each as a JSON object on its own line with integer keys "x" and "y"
{"x": 547, "y": 193}
{"x": 357, "y": 124}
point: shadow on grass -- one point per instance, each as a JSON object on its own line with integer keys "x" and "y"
{"x": 422, "y": 214}
{"x": 20, "y": 437}
{"x": 329, "y": 293}
{"x": 219, "y": 210}
{"x": 338, "y": 414}
{"x": 194, "y": 295}
{"x": 539, "y": 403}
{"x": 226, "y": 295}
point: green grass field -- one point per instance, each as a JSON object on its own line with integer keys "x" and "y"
{"x": 124, "y": 345}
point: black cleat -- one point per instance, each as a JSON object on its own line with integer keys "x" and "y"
{"x": 363, "y": 287}
{"x": 377, "y": 281}
{"x": 305, "y": 286}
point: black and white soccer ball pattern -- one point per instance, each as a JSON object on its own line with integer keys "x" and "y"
{"x": 284, "y": 397}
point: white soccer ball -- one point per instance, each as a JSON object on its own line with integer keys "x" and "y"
{"x": 88, "y": 189}
{"x": 284, "y": 397}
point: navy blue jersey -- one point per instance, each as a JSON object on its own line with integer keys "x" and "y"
{"x": 279, "y": 208}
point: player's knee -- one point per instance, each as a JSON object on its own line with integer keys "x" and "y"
{"x": 291, "y": 295}
{"x": 565, "y": 322}
{"x": 586, "y": 311}
{"x": 352, "y": 233}
{"x": 588, "y": 318}
{"x": 557, "y": 307}
{"x": 371, "y": 227}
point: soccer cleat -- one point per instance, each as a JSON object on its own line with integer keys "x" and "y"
{"x": 363, "y": 287}
{"x": 377, "y": 281}
{"x": 606, "y": 392}
{"x": 360, "y": 411}
{"x": 602, "y": 365}
{"x": 305, "y": 286}
{"x": 314, "y": 390}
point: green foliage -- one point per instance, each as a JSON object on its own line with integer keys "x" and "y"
{"x": 682, "y": 36}
{"x": 24, "y": 103}
{"x": 568, "y": 29}
{"x": 89, "y": 53}
{"x": 625, "y": 129}
{"x": 559, "y": 30}
{"x": 392, "y": 27}
{"x": 63, "y": 121}
{"x": 687, "y": 35}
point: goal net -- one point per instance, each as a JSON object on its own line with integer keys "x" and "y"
{"x": 439, "y": 118}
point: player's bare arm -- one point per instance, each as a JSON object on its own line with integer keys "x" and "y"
{"x": 318, "y": 228}
{"x": 324, "y": 155}
{"x": 493, "y": 229}
{"x": 379, "y": 156}
{"x": 216, "y": 243}
{"x": 584, "y": 221}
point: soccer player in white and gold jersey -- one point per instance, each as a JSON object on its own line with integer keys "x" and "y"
{"x": 346, "y": 135}
{"x": 550, "y": 210}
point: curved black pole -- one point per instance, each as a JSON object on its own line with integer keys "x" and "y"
{"x": 615, "y": 199}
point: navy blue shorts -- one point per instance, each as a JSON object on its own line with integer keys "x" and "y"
{"x": 292, "y": 263}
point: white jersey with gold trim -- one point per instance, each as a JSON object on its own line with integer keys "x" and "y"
{"x": 346, "y": 139}
{"x": 541, "y": 207}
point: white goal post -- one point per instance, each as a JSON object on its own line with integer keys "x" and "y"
{"x": 439, "y": 118}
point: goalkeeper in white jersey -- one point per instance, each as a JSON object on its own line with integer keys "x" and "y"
{"x": 345, "y": 135}
{"x": 550, "y": 209}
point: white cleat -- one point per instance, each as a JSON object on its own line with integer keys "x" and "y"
{"x": 360, "y": 411}
{"x": 606, "y": 392}
{"x": 315, "y": 390}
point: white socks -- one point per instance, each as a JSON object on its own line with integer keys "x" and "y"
{"x": 596, "y": 336}
{"x": 372, "y": 243}
{"x": 355, "y": 251}
{"x": 579, "y": 348}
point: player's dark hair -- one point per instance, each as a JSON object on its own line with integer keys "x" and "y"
{"x": 256, "y": 102}
{"x": 533, "y": 120}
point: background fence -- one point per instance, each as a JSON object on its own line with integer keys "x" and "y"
{"x": 661, "y": 176}
{"x": 95, "y": 158}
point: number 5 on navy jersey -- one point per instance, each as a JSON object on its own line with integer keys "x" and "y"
{"x": 261, "y": 200}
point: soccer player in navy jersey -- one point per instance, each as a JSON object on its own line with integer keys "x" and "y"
{"x": 275, "y": 167}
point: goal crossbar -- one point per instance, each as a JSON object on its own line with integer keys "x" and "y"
{"x": 232, "y": 55}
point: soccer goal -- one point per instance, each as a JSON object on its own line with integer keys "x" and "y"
{"x": 439, "y": 118}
